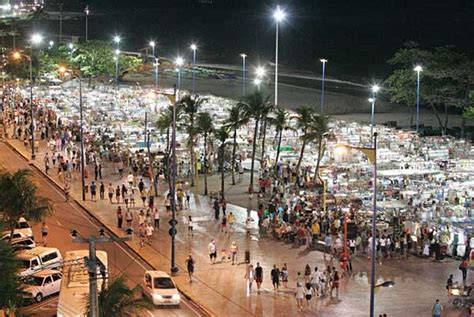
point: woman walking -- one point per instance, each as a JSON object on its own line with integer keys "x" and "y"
{"x": 299, "y": 295}
{"x": 190, "y": 267}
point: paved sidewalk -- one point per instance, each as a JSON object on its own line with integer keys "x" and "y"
{"x": 221, "y": 287}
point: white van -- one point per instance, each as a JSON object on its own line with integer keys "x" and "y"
{"x": 38, "y": 259}
{"x": 160, "y": 288}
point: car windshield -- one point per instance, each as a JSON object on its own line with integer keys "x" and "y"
{"x": 34, "y": 280}
{"x": 163, "y": 282}
{"x": 22, "y": 225}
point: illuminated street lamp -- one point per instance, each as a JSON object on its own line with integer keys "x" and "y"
{"x": 323, "y": 61}
{"x": 117, "y": 39}
{"x": 418, "y": 69}
{"x": 36, "y": 39}
{"x": 257, "y": 82}
{"x": 87, "y": 11}
{"x": 179, "y": 61}
{"x": 244, "y": 56}
{"x": 193, "y": 47}
{"x": 260, "y": 72}
{"x": 116, "y": 58}
{"x": 155, "y": 65}
{"x": 374, "y": 89}
{"x": 71, "y": 49}
{"x": 279, "y": 15}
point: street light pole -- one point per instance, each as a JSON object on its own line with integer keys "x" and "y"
{"x": 194, "y": 48}
{"x": 418, "y": 69}
{"x": 117, "y": 54}
{"x": 374, "y": 218}
{"x": 91, "y": 262}
{"x": 32, "y": 114}
{"x": 324, "y": 61}
{"x": 174, "y": 268}
{"x": 375, "y": 89}
{"x": 86, "y": 11}
{"x": 81, "y": 132}
{"x": 244, "y": 56}
{"x": 278, "y": 15}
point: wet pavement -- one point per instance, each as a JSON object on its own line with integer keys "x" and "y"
{"x": 221, "y": 288}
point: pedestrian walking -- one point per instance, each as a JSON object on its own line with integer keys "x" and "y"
{"x": 327, "y": 245}
{"x": 223, "y": 205}
{"x": 128, "y": 218}
{"x": 258, "y": 276}
{"x": 190, "y": 226}
{"x": 250, "y": 276}
{"x": 117, "y": 194}
{"x": 119, "y": 217}
{"x": 275, "y": 274}
{"x": 307, "y": 273}
{"x": 102, "y": 190}
{"x": 143, "y": 195}
{"x": 188, "y": 198}
{"x": 93, "y": 190}
{"x": 284, "y": 275}
{"x": 224, "y": 224}
{"x": 142, "y": 234}
{"x": 66, "y": 191}
{"x": 212, "y": 251}
{"x": 234, "y": 249}
{"x": 299, "y": 296}
{"x": 44, "y": 233}
{"x": 463, "y": 267}
{"x": 149, "y": 232}
{"x": 190, "y": 263}
{"x": 335, "y": 283}
{"x": 437, "y": 309}
{"x": 156, "y": 218}
{"x": 110, "y": 190}
{"x": 314, "y": 281}
{"x": 216, "y": 208}
{"x": 231, "y": 221}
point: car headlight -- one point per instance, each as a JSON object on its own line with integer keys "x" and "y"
{"x": 176, "y": 297}
{"x": 455, "y": 291}
{"x": 157, "y": 297}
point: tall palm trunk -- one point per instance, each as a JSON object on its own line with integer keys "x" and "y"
{"x": 300, "y": 158}
{"x": 278, "y": 151}
{"x": 263, "y": 142}
{"x": 320, "y": 150}
{"x": 205, "y": 164}
{"x": 222, "y": 171}
{"x": 254, "y": 148}
{"x": 234, "y": 147}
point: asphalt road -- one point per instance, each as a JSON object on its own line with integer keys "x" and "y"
{"x": 66, "y": 216}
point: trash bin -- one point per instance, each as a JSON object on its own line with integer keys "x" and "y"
{"x": 247, "y": 256}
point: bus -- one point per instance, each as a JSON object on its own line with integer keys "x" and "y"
{"x": 74, "y": 294}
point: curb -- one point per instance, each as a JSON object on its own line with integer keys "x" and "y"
{"x": 202, "y": 307}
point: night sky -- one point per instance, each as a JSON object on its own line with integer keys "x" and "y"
{"x": 356, "y": 36}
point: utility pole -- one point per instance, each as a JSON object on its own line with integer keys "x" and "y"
{"x": 91, "y": 262}
{"x": 83, "y": 181}
{"x": 174, "y": 268}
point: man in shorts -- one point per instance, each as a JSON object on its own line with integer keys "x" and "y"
{"x": 258, "y": 276}
{"x": 212, "y": 251}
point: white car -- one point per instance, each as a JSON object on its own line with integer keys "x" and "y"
{"x": 16, "y": 235}
{"x": 22, "y": 229}
{"x": 160, "y": 288}
{"x": 42, "y": 284}
{"x": 23, "y": 243}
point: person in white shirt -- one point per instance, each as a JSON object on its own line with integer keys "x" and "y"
{"x": 156, "y": 217}
{"x": 141, "y": 218}
{"x": 149, "y": 232}
{"x": 212, "y": 251}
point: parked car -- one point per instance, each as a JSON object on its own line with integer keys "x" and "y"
{"x": 42, "y": 284}
{"x": 22, "y": 229}
{"x": 23, "y": 243}
{"x": 160, "y": 288}
{"x": 37, "y": 259}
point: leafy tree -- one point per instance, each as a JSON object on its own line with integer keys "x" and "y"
{"x": 253, "y": 106}
{"x": 222, "y": 134}
{"x": 18, "y": 198}
{"x": 205, "y": 127}
{"x": 234, "y": 121}
{"x": 318, "y": 130}
{"x": 10, "y": 286}
{"x": 188, "y": 108}
{"x": 118, "y": 300}
{"x": 280, "y": 120}
{"x": 265, "y": 112}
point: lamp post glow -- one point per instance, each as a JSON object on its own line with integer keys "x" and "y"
{"x": 86, "y": 11}
{"x": 323, "y": 61}
{"x": 179, "y": 61}
{"x": 194, "y": 49}
{"x": 257, "y": 82}
{"x": 117, "y": 39}
{"x": 259, "y": 73}
{"x": 279, "y": 15}
{"x": 375, "y": 89}
{"x": 71, "y": 49}
{"x": 244, "y": 56}
{"x": 418, "y": 69}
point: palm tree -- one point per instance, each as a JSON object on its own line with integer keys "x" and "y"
{"x": 10, "y": 284}
{"x": 319, "y": 129}
{"x": 18, "y": 198}
{"x": 164, "y": 123}
{"x": 222, "y": 135}
{"x": 189, "y": 106}
{"x": 205, "y": 127}
{"x": 118, "y": 300}
{"x": 304, "y": 116}
{"x": 234, "y": 121}
{"x": 280, "y": 121}
{"x": 266, "y": 111}
{"x": 252, "y": 107}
